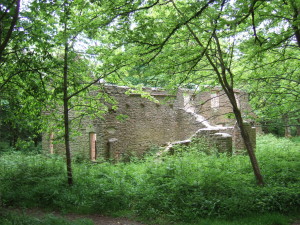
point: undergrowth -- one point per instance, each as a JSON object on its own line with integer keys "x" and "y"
{"x": 13, "y": 218}
{"x": 183, "y": 187}
{"x": 256, "y": 219}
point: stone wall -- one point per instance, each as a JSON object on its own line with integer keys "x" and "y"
{"x": 147, "y": 123}
{"x": 238, "y": 142}
{"x": 216, "y": 108}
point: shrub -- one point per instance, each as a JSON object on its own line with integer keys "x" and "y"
{"x": 11, "y": 218}
{"x": 183, "y": 187}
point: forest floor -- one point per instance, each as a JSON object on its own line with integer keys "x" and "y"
{"x": 97, "y": 219}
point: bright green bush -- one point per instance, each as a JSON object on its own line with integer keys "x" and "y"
{"x": 183, "y": 187}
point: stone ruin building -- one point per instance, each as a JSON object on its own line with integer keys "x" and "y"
{"x": 175, "y": 119}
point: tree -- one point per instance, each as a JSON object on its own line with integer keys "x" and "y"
{"x": 65, "y": 25}
{"x": 22, "y": 64}
{"x": 201, "y": 42}
{"x": 191, "y": 42}
{"x": 275, "y": 87}
{"x": 178, "y": 42}
{"x": 69, "y": 83}
{"x": 271, "y": 64}
{"x": 19, "y": 117}
{"x": 9, "y": 15}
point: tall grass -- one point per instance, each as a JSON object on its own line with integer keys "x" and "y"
{"x": 13, "y": 218}
{"x": 184, "y": 187}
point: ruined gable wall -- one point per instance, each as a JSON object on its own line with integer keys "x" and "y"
{"x": 221, "y": 113}
{"x": 148, "y": 123}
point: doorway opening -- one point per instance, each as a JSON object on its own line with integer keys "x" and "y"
{"x": 93, "y": 146}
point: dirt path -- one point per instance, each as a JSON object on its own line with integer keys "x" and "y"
{"x": 97, "y": 219}
{"x": 103, "y": 220}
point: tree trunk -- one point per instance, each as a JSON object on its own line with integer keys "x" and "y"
{"x": 66, "y": 118}
{"x": 287, "y": 128}
{"x": 295, "y": 24}
{"x": 229, "y": 91}
{"x": 11, "y": 28}
{"x": 246, "y": 137}
{"x": 221, "y": 71}
{"x": 298, "y": 127}
{"x": 66, "y": 109}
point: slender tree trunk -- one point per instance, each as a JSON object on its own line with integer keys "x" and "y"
{"x": 287, "y": 128}
{"x": 298, "y": 127}
{"x": 294, "y": 23}
{"x": 66, "y": 118}
{"x": 247, "y": 142}
{"x": 221, "y": 71}
{"x": 225, "y": 77}
{"x": 228, "y": 89}
{"x": 66, "y": 107}
{"x": 265, "y": 127}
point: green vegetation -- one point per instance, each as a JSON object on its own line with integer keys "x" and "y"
{"x": 182, "y": 188}
{"x": 266, "y": 219}
{"x": 9, "y": 218}
{"x": 52, "y": 53}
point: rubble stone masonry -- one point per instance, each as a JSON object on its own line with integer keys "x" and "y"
{"x": 147, "y": 123}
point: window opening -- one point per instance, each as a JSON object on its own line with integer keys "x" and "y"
{"x": 214, "y": 100}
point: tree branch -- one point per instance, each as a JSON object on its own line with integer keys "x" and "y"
{"x": 12, "y": 25}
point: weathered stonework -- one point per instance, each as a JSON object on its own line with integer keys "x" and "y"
{"x": 238, "y": 141}
{"x": 148, "y": 123}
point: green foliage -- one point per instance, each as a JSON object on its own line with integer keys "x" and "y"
{"x": 9, "y": 218}
{"x": 27, "y": 179}
{"x": 186, "y": 187}
{"x": 296, "y": 139}
{"x": 14, "y": 129}
{"x": 198, "y": 146}
{"x": 4, "y": 147}
{"x": 21, "y": 145}
{"x": 265, "y": 219}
